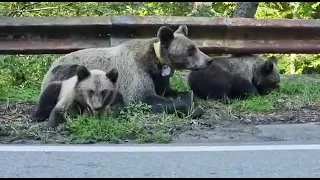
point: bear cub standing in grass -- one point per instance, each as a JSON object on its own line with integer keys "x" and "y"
{"x": 83, "y": 92}
{"x": 135, "y": 60}
{"x": 235, "y": 76}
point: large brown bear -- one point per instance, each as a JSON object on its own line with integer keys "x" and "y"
{"x": 135, "y": 61}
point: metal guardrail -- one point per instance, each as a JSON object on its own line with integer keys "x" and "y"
{"x": 57, "y": 35}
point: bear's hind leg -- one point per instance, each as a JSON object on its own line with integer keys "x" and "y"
{"x": 242, "y": 88}
{"x": 161, "y": 104}
{"x": 163, "y": 88}
{"x": 186, "y": 97}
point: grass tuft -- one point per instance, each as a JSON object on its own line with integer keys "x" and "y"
{"x": 135, "y": 122}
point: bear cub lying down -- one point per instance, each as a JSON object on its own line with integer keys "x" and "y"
{"x": 85, "y": 92}
{"x": 235, "y": 76}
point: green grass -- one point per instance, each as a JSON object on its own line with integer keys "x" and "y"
{"x": 178, "y": 83}
{"x": 20, "y": 94}
{"x": 136, "y": 123}
{"x": 297, "y": 91}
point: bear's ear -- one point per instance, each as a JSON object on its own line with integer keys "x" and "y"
{"x": 165, "y": 35}
{"x": 82, "y": 73}
{"x": 72, "y": 67}
{"x": 268, "y": 66}
{"x": 183, "y": 29}
{"x": 113, "y": 75}
{"x": 63, "y": 68}
{"x": 273, "y": 59}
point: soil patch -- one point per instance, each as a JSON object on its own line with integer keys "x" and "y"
{"x": 241, "y": 126}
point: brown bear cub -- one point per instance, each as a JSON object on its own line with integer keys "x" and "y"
{"x": 235, "y": 76}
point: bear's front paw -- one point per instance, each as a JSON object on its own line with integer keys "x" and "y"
{"x": 37, "y": 118}
{"x": 49, "y": 127}
{"x": 197, "y": 112}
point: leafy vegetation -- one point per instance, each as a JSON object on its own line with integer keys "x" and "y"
{"x": 21, "y": 75}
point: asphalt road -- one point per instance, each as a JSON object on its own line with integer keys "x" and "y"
{"x": 160, "y": 161}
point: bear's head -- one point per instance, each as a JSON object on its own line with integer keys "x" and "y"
{"x": 266, "y": 77}
{"x": 96, "y": 88}
{"x": 178, "y": 51}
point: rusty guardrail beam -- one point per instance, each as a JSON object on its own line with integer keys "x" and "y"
{"x": 57, "y": 35}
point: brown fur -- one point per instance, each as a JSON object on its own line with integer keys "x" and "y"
{"x": 135, "y": 59}
{"x": 84, "y": 92}
{"x": 235, "y": 77}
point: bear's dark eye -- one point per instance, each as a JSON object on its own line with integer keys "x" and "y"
{"x": 191, "y": 50}
{"x": 103, "y": 93}
{"x": 90, "y": 92}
